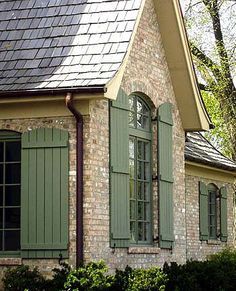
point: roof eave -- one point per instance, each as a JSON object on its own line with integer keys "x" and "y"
{"x": 53, "y": 91}
{"x": 210, "y": 164}
{"x": 179, "y": 60}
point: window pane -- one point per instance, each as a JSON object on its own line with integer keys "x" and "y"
{"x": 132, "y": 210}
{"x": 131, "y": 189}
{"x": 139, "y": 120}
{"x": 12, "y": 173}
{"x": 146, "y": 191}
{"x": 140, "y": 150}
{"x": 1, "y": 174}
{"x": 145, "y": 123}
{"x": 146, "y": 151}
{"x": 1, "y": 196}
{"x": 131, "y": 148}
{"x": 12, "y": 196}
{"x": 1, "y": 218}
{"x": 13, "y": 151}
{"x": 140, "y": 231}
{"x": 139, "y": 106}
{"x": 147, "y": 171}
{"x": 12, "y": 217}
{"x": 12, "y": 240}
{"x": 132, "y": 231}
{"x": 140, "y": 211}
{"x": 131, "y": 169}
{"x": 1, "y": 151}
{"x": 1, "y": 240}
{"x": 140, "y": 172}
{"x": 131, "y": 103}
{"x": 131, "y": 119}
{"x": 140, "y": 190}
{"x": 145, "y": 109}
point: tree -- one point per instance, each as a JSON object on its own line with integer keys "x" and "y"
{"x": 213, "y": 47}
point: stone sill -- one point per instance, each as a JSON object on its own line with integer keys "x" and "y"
{"x": 214, "y": 242}
{"x": 143, "y": 250}
{"x": 10, "y": 261}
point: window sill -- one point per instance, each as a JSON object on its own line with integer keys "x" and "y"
{"x": 214, "y": 242}
{"x": 10, "y": 261}
{"x": 143, "y": 250}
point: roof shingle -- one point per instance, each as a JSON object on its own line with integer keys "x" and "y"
{"x": 64, "y": 36}
{"x": 199, "y": 149}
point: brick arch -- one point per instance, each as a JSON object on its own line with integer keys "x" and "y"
{"x": 144, "y": 88}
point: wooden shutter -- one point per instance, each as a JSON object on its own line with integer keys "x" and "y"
{"x": 165, "y": 177}
{"x": 44, "y": 194}
{"x": 223, "y": 214}
{"x": 203, "y": 211}
{"x": 119, "y": 171}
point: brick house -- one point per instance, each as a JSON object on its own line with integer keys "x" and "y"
{"x": 96, "y": 99}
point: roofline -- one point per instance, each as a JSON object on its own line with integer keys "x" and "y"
{"x": 180, "y": 63}
{"x": 209, "y": 172}
{"x": 34, "y": 92}
{"x": 213, "y": 165}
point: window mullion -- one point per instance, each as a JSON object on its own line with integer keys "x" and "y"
{"x": 3, "y": 198}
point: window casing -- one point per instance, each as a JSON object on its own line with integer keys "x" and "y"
{"x": 140, "y": 170}
{"x": 10, "y": 196}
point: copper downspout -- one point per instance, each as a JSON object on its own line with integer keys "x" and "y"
{"x": 79, "y": 178}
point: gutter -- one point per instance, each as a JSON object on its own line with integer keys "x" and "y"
{"x": 34, "y": 92}
{"x": 79, "y": 178}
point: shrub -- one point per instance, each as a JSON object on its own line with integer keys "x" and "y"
{"x": 217, "y": 273}
{"x": 22, "y": 278}
{"x": 90, "y": 277}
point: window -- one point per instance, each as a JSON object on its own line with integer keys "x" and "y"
{"x": 213, "y": 212}
{"x": 34, "y": 193}
{"x": 139, "y": 170}
{"x": 10, "y": 163}
{"x": 213, "y": 209}
{"x": 131, "y": 172}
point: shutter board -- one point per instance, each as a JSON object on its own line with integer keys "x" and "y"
{"x": 203, "y": 211}
{"x": 44, "y": 222}
{"x": 119, "y": 171}
{"x": 223, "y": 214}
{"x": 165, "y": 175}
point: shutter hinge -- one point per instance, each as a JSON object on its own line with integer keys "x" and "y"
{"x": 154, "y": 177}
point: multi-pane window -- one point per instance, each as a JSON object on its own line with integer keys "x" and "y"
{"x": 10, "y": 167}
{"x": 140, "y": 170}
{"x": 212, "y": 211}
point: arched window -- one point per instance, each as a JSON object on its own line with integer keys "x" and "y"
{"x": 10, "y": 196}
{"x": 213, "y": 210}
{"x": 140, "y": 170}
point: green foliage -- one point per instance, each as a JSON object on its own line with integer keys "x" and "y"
{"x": 219, "y": 136}
{"x": 139, "y": 280}
{"x": 217, "y": 273}
{"x": 90, "y": 277}
{"x": 22, "y": 278}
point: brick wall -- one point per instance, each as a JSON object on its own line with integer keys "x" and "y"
{"x": 195, "y": 248}
{"x": 146, "y": 72}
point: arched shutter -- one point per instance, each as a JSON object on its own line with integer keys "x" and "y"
{"x": 165, "y": 177}
{"x": 203, "y": 211}
{"x": 223, "y": 214}
{"x": 119, "y": 171}
{"x": 44, "y": 211}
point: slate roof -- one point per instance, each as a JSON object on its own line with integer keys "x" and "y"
{"x": 48, "y": 44}
{"x": 199, "y": 149}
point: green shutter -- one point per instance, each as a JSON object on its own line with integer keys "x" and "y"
{"x": 44, "y": 178}
{"x": 165, "y": 177}
{"x": 223, "y": 214}
{"x": 119, "y": 171}
{"x": 203, "y": 211}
